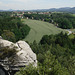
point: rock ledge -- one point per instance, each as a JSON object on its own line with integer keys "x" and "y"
{"x": 24, "y": 55}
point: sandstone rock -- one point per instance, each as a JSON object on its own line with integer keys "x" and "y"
{"x": 0, "y": 37}
{"x": 24, "y": 55}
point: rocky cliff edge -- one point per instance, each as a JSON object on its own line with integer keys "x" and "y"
{"x": 24, "y": 55}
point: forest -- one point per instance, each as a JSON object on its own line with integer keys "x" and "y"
{"x": 65, "y": 21}
{"x": 55, "y": 55}
{"x": 12, "y": 28}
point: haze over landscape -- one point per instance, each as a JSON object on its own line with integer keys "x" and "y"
{"x": 35, "y": 4}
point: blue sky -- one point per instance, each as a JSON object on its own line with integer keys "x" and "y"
{"x": 35, "y": 4}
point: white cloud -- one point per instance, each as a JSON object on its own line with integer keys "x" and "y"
{"x": 24, "y": 4}
{"x": 24, "y": 0}
{"x": 33, "y": 4}
{"x": 18, "y": 4}
{"x": 0, "y": 3}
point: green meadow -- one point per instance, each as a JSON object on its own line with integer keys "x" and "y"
{"x": 73, "y": 14}
{"x": 38, "y": 29}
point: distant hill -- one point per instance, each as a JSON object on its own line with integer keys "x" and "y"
{"x": 64, "y": 9}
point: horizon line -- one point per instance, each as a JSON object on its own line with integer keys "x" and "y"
{"x": 37, "y": 9}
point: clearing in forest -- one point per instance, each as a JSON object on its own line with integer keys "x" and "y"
{"x": 38, "y": 29}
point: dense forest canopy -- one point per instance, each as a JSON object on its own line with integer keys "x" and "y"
{"x": 55, "y": 55}
{"x": 65, "y": 21}
{"x": 11, "y": 28}
{"x": 5, "y": 14}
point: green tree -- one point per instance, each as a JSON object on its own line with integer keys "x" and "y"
{"x": 18, "y": 34}
{"x": 8, "y": 35}
{"x": 24, "y": 30}
{"x": 28, "y": 70}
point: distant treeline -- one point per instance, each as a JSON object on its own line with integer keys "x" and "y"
{"x": 5, "y": 14}
{"x": 62, "y": 20}
{"x": 65, "y": 21}
{"x": 36, "y": 16}
{"x": 12, "y": 29}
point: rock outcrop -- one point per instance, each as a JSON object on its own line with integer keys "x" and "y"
{"x": 24, "y": 55}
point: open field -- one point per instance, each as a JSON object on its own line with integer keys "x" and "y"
{"x": 38, "y": 29}
{"x": 73, "y": 14}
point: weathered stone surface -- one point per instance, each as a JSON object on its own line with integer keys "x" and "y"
{"x": 0, "y": 37}
{"x": 24, "y": 55}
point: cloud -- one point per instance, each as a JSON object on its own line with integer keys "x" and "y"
{"x": 24, "y": 0}
{"x": 18, "y": 4}
{"x": 34, "y": 4}
{"x": 0, "y": 3}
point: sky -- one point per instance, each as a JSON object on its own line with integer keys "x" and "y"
{"x": 35, "y": 4}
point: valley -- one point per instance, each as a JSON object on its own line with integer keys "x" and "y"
{"x": 39, "y": 29}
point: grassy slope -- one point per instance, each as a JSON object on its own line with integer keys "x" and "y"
{"x": 73, "y": 30}
{"x": 38, "y": 29}
{"x": 73, "y": 14}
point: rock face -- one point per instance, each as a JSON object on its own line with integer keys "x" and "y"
{"x": 24, "y": 55}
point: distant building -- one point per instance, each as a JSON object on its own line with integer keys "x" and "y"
{"x": 32, "y": 18}
{"x": 27, "y": 18}
{"x": 40, "y": 13}
{"x": 29, "y": 13}
{"x": 22, "y": 12}
{"x": 22, "y": 17}
{"x": 34, "y": 12}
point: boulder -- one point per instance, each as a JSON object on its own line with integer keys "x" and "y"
{"x": 24, "y": 55}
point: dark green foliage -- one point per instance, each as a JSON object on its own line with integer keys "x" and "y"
{"x": 38, "y": 48}
{"x": 6, "y": 52}
{"x": 63, "y": 48}
{"x": 18, "y": 34}
{"x": 8, "y": 35}
{"x": 5, "y": 14}
{"x": 48, "y": 39}
{"x": 14, "y": 27}
{"x": 24, "y": 30}
{"x": 57, "y": 53}
{"x": 36, "y": 16}
{"x": 49, "y": 66}
{"x": 61, "y": 39}
{"x": 65, "y": 21}
{"x": 40, "y": 57}
{"x": 28, "y": 70}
